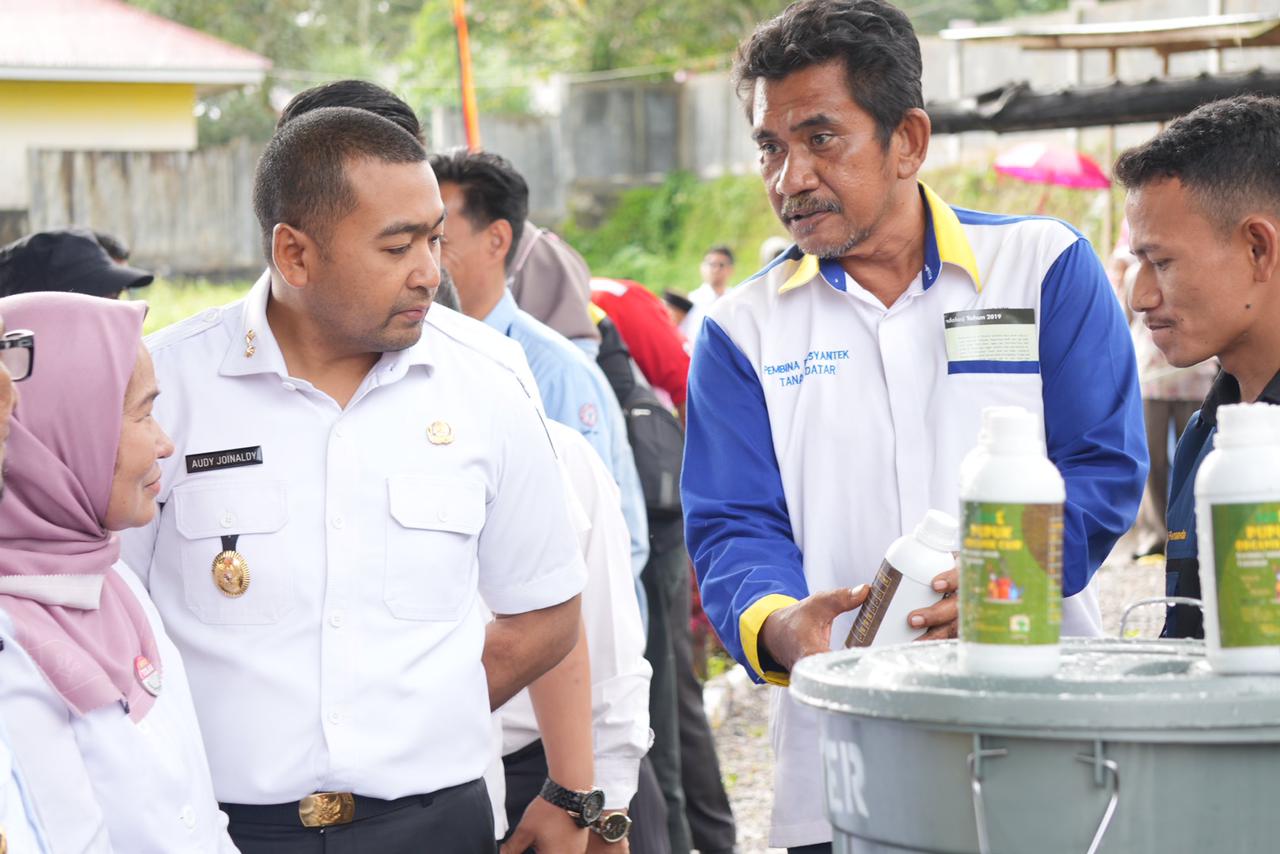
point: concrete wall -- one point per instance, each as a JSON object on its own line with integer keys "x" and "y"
{"x": 81, "y": 116}
{"x": 531, "y": 143}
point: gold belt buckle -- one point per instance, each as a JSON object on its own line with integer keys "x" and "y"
{"x": 324, "y": 809}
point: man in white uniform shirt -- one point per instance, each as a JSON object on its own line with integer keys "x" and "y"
{"x": 717, "y": 275}
{"x": 619, "y": 672}
{"x": 352, "y": 475}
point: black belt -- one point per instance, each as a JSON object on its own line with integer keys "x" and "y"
{"x": 288, "y": 815}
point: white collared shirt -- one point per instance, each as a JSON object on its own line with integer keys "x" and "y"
{"x": 615, "y": 636}
{"x": 702, "y": 297}
{"x": 352, "y": 660}
{"x": 100, "y": 782}
{"x": 19, "y": 826}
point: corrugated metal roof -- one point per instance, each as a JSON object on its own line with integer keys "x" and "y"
{"x": 1169, "y": 35}
{"x": 107, "y": 40}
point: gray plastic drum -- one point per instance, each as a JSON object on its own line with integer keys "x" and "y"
{"x": 1131, "y": 747}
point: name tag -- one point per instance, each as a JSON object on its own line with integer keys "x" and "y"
{"x": 992, "y": 340}
{"x": 229, "y": 459}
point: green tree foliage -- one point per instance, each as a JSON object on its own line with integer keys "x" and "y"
{"x": 930, "y": 16}
{"x": 410, "y": 45}
{"x": 514, "y": 44}
{"x": 308, "y": 41}
{"x": 514, "y": 40}
{"x": 657, "y": 235}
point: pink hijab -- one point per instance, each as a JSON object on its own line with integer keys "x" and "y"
{"x": 61, "y": 457}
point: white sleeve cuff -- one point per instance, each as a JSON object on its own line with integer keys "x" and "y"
{"x": 552, "y": 588}
{"x": 617, "y": 776}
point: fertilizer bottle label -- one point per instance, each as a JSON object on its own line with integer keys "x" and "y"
{"x": 1246, "y": 557}
{"x": 1011, "y": 573}
{"x": 867, "y": 623}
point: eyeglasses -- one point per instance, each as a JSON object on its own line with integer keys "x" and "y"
{"x": 18, "y": 353}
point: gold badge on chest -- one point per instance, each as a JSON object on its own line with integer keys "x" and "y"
{"x": 440, "y": 433}
{"x": 230, "y": 569}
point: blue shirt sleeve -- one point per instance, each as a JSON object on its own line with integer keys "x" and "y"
{"x": 736, "y": 521}
{"x": 1092, "y": 410}
{"x": 572, "y": 401}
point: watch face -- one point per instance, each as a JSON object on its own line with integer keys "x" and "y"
{"x": 592, "y": 806}
{"x": 614, "y": 828}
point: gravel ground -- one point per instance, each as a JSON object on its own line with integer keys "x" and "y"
{"x": 742, "y": 738}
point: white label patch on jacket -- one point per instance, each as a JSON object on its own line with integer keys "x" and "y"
{"x": 991, "y": 335}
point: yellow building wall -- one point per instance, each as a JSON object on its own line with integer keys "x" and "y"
{"x": 88, "y": 117}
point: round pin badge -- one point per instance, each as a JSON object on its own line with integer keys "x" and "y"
{"x": 148, "y": 675}
{"x": 588, "y": 415}
{"x": 231, "y": 573}
{"x": 440, "y": 433}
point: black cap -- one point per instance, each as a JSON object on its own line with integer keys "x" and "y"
{"x": 677, "y": 301}
{"x": 69, "y": 259}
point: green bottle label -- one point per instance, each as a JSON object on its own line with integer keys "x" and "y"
{"x": 1011, "y": 573}
{"x": 1246, "y": 561}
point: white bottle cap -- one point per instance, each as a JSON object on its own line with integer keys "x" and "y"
{"x": 1243, "y": 424}
{"x": 938, "y": 531}
{"x": 1011, "y": 429}
{"x": 989, "y": 412}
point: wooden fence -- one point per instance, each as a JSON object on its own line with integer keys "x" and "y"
{"x": 182, "y": 213}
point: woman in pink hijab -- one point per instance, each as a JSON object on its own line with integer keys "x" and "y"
{"x": 94, "y": 695}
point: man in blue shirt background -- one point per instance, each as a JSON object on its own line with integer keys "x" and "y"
{"x": 487, "y": 201}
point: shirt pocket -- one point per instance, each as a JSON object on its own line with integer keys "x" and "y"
{"x": 252, "y": 511}
{"x": 432, "y": 539}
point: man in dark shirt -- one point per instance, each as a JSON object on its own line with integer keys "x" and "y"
{"x": 1204, "y": 221}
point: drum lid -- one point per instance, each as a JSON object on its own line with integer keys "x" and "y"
{"x": 1139, "y": 690}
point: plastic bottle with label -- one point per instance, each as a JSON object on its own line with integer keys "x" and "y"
{"x": 1238, "y": 529}
{"x": 1011, "y": 499}
{"x": 904, "y": 582}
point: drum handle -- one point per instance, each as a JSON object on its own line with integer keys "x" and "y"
{"x": 1098, "y": 760}
{"x": 975, "y": 782}
{"x": 1157, "y": 600}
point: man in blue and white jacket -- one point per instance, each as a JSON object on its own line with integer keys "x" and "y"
{"x": 834, "y": 394}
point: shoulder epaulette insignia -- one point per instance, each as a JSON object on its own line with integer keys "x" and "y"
{"x": 183, "y": 329}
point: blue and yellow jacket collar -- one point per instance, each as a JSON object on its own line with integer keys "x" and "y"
{"x": 944, "y": 243}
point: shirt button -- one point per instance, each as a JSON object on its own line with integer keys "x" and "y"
{"x": 335, "y": 718}
{"x": 188, "y": 817}
{"x": 339, "y": 431}
{"x": 228, "y": 519}
{"x": 336, "y": 619}
{"x": 289, "y": 386}
{"x": 442, "y": 515}
{"x": 337, "y": 522}
{"x": 210, "y": 315}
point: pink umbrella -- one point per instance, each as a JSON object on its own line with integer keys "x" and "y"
{"x": 1053, "y": 166}
{"x": 1038, "y": 163}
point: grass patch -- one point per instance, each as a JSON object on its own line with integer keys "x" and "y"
{"x": 719, "y": 663}
{"x": 171, "y": 300}
{"x": 657, "y": 235}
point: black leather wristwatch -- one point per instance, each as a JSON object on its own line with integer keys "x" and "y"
{"x": 613, "y": 827}
{"x": 583, "y": 807}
